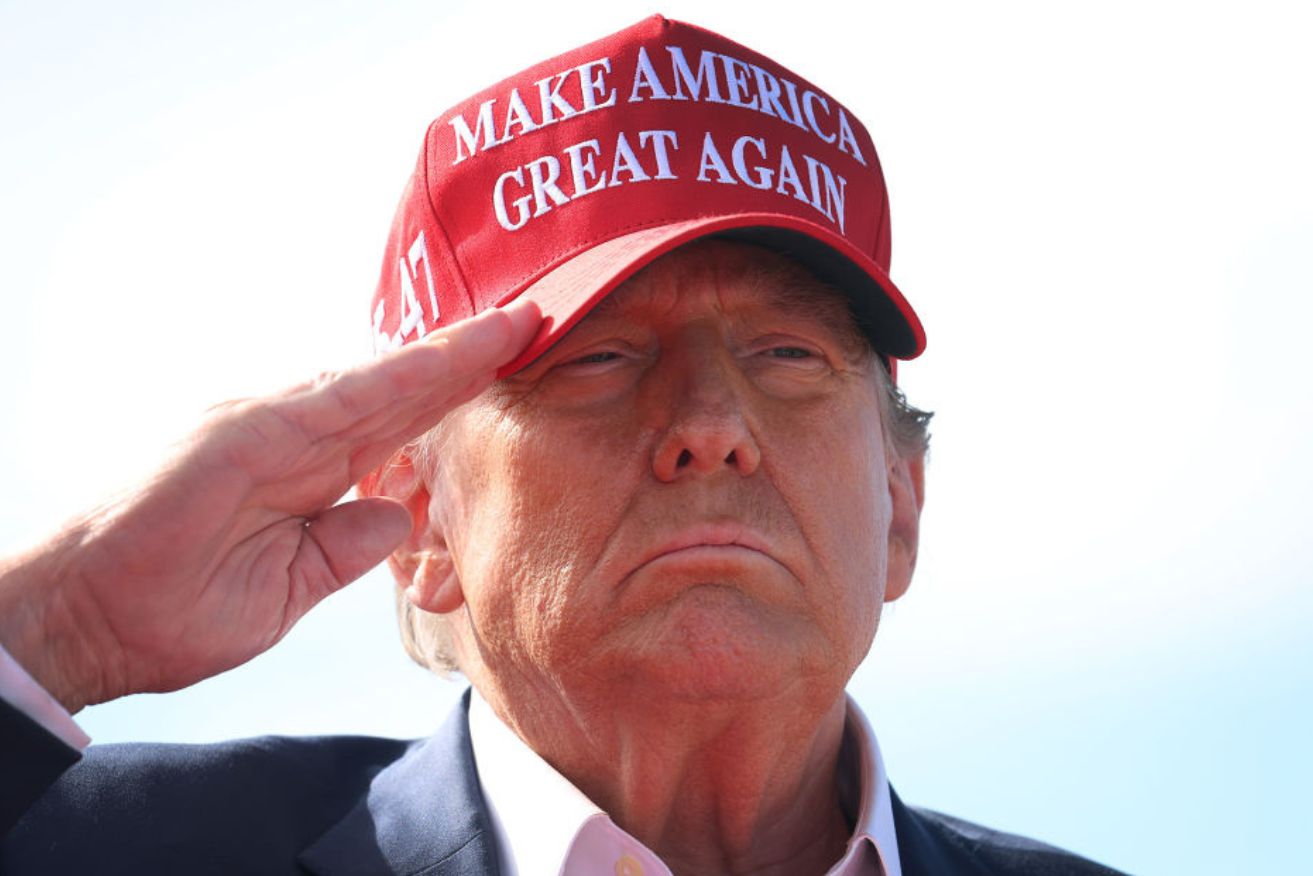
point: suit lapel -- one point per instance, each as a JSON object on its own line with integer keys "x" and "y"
{"x": 424, "y": 814}
{"x": 923, "y": 850}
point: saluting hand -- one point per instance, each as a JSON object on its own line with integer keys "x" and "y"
{"x": 214, "y": 558}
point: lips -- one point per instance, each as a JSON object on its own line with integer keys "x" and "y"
{"x": 713, "y": 535}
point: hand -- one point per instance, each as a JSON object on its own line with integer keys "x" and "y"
{"x": 214, "y": 558}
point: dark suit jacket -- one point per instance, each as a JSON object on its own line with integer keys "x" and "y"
{"x": 330, "y": 805}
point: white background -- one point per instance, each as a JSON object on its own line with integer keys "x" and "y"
{"x": 1101, "y": 212}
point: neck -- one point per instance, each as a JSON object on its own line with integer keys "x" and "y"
{"x": 711, "y": 787}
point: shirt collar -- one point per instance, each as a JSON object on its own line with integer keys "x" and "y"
{"x": 543, "y": 822}
{"x": 875, "y": 815}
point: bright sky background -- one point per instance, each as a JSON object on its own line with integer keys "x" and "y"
{"x": 1101, "y": 211}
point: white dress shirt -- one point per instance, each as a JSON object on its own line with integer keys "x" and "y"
{"x": 22, "y": 692}
{"x": 545, "y": 826}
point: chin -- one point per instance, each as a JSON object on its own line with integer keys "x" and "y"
{"x": 713, "y": 645}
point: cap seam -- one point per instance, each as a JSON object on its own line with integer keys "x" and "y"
{"x": 437, "y": 223}
{"x": 884, "y": 222}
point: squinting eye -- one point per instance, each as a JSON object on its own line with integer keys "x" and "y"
{"x": 789, "y": 353}
{"x": 595, "y": 358}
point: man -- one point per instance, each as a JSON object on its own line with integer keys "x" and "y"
{"x": 657, "y": 544}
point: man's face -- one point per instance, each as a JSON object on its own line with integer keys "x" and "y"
{"x": 689, "y": 493}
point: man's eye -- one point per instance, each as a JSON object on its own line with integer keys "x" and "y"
{"x": 595, "y": 358}
{"x": 789, "y": 353}
{"x": 599, "y": 362}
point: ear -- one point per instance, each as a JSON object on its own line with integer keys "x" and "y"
{"x": 422, "y": 565}
{"x": 906, "y": 494}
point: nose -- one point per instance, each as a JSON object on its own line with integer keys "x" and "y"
{"x": 705, "y": 428}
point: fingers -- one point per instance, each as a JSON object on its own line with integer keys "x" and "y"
{"x": 419, "y": 376}
{"x": 372, "y": 450}
{"x": 346, "y": 541}
{"x": 492, "y": 338}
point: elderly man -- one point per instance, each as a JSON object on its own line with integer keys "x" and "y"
{"x": 657, "y": 543}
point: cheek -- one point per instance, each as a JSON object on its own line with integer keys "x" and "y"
{"x": 534, "y": 525}
{"x": 836, "y": 483}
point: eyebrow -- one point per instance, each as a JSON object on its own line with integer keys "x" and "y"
{"x": 798, "y": 294}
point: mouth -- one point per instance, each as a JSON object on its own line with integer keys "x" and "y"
{"x": 707, "y": 538}
{"x": 725, "y": 553}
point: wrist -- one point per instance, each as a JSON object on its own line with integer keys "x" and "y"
{"x": 39, "y": 626}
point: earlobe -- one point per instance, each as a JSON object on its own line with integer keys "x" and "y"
{"x": 434, "y": 586}
{"x": 907, "y": 495}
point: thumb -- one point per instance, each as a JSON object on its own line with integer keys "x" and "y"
{"x": 354, "y": 537}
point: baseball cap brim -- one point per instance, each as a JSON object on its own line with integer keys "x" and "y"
{"x": 566, "y": 293}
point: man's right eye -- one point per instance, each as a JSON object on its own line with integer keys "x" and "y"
{"x": 595, "y": 358}
{"x": 595, "y": 364}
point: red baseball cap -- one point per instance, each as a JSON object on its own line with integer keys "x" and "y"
{"x": 561, "y": 182}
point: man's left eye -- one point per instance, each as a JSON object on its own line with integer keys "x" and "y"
{"x": 595, "y": 358}
{"x": 789, "y": 353}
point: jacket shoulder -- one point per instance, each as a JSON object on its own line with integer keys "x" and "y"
{"x": 135, "y": 807}
{"x": 997, "y": 853}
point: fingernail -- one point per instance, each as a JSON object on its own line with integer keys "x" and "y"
{"x": 525, "y": 314}
{"x": 485, "y": 330}
{"x": 522, "y": 306}
{"x": 479, "y": 326}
